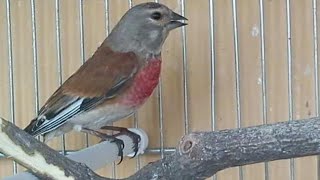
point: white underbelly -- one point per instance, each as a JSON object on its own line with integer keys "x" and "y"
{"x": 100, "y": 117}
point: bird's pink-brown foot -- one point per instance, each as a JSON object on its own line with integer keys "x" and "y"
{"x": 124, "y": 131}
{"x": 107, "y": 137}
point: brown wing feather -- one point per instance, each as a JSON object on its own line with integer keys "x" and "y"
{"x": 98, "y": 75}
{"x": 94, "y": 78}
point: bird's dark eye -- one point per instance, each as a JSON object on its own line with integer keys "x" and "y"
{"x": 156, "y": 16}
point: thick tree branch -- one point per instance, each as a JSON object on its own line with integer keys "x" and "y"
{"x": 199, "y": 155}
{"x": 44, "y": 162}
{"x": 202, "y": 154}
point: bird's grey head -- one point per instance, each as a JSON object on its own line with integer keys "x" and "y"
{"x": 144, "y": 28}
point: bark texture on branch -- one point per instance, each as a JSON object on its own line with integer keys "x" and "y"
{"x": 202, "y": 154}
{"x": 43, "y": 161}
{"x": 199, "y": 155}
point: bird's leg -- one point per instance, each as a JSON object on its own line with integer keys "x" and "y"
{"x": 124, "y": 131}
{"x": 106, "y": 137}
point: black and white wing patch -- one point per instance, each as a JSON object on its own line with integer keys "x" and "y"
{"x": 51, "y": 119}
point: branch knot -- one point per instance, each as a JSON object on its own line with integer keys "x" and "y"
{"x": 188, "y": 143}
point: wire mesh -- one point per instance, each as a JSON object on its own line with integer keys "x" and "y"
{"x": 11, "y": 80}
{"x": 316, "y": 66}
{"x": 263, "y": 76}
{"x": 289, "y": 56}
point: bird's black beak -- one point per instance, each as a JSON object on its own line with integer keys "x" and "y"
{"x": 175, "y": 21}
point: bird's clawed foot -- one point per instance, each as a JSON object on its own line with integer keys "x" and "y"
{"x": 124, "y": 131}
{"x": 106, "y": 137}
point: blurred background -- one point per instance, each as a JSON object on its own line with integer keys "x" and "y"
{"x": 237, "y": 64}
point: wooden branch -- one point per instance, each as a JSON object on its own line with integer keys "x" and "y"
{"x": 44, "y": 162}
{"x": 202, "y": 154}
{"x": 199, "y": 155}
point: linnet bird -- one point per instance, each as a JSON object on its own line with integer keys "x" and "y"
{"x": 115, "y": 81}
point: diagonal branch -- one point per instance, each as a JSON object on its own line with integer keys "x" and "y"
{"x": 199, "y": 155}
{"x": 44, "y": 162}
